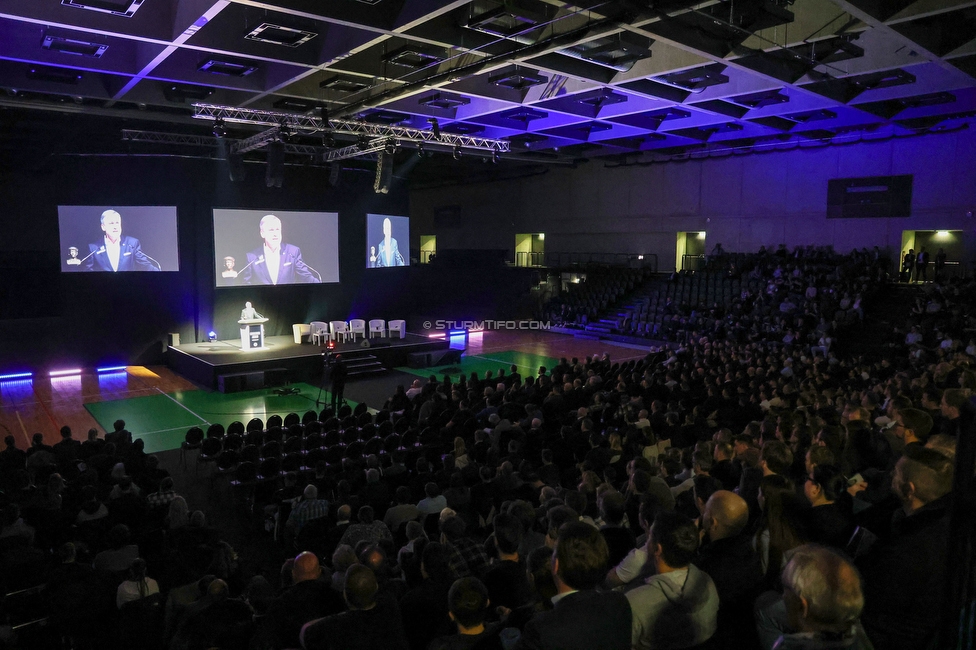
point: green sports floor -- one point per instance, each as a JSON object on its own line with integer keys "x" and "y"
{"x": 161, "y": 420}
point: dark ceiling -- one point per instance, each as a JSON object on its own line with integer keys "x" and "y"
{"x": 554, "y": 81}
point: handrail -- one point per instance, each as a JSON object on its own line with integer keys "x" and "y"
{"x": 630, "y": 260}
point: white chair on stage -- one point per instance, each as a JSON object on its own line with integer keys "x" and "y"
{"x": 339, "y": 328}
{"x": 377, "y": 327}
{"x": 300, "y": 330}
{"x": 319, "y": 332}
{"x": 357, "y": 326}
{"x": 398, "y": 326}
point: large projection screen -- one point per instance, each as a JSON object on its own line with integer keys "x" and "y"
{"x": 275, "y": 247}
{"x": 115, "y": 239}
{"x": 387, "y": 241}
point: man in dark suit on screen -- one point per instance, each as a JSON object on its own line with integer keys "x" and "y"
{"x": 117, "y": 252}
{"x": 388, "y": 253}
{"x": 582, "y": 617}
{"x": 274, "y": 262}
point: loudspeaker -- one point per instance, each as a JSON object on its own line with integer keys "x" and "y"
{"x": 438, "y": 358}
{"x": 364, "y": 344}
{"x": 334, "y": 171}
{"x": 384, "y": 173}
{"x": 236, "y": 163}
{"x": 276, "y": 377}
{"x": 275, "y": 174}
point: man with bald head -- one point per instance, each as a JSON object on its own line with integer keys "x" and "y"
{"x": 309, "y": 597}
{"x": 275, "y": 262}
{"x": 727, "y": 556}
{"x": 371, "y": 621}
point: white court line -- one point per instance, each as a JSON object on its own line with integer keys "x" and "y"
{"x": 509, "y": 363}
{"x": 190, "y": 411}
{"x": 151, "y": 433}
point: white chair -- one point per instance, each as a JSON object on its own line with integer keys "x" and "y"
{"x": 398, "y": 326}
{"x": 339, "y": 328}
{"x": 300, "y": 330}
{"x": 319, "y": 332}
{"x": 377, "y": 326}
{"x": 357, "y": 326}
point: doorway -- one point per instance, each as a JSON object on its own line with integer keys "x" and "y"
{"x": 951, "y": 242}
{"x": 428, "y": 248}
{"x": 530, "y": 249}
{"x": 690, "y": 251}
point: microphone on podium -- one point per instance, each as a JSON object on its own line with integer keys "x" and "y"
{"x": 259, "y": 259}
{"x": 100, "y": 250}
{"x": 309, "y": 267}
{"x": 158, "y": 265}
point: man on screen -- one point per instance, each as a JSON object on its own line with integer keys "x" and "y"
{"x": 117, "y": 252}
{"x": 274, "y": 262}
{"x": 389, "y": 253}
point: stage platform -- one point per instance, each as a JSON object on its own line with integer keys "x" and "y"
{"x": 224, "y": 366}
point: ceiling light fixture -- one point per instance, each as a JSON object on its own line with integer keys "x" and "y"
{"x": 73, "y": 46}
{"x": 123, "y": 8}
{"x": 343, "y": 84}
{"x": 279, "y": 35}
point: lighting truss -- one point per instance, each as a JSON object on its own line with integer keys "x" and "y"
{"x": 157, "y": 137}
{"x": 309, "y": 124}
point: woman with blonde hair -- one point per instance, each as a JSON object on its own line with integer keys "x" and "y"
{"x": 179, "y": 514}
{"x": 461, "y": 459}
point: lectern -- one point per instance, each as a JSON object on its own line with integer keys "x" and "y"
{"x": 252, "y": 333}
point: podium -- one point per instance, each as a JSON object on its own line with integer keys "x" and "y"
{"x": 252, "y": 333}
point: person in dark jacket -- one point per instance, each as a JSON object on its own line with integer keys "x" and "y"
{"x": 583, "y": 618}
{"x": 904, "y": 574}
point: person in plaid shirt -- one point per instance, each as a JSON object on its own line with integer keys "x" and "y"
{"x": 468, "y": 557}
{"x": 164, "y": 496}
{"x": 309, "y": 508}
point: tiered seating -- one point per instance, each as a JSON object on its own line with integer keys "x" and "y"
{"x": 582, "y": 302}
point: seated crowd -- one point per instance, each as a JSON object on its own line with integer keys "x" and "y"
{"x": 730, "y": 493}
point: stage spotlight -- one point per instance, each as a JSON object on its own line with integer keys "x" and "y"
{"x": 328, "y": 141}
{"x": 495, "y": 156}
{"x": 218, "y": 128}
{"x": 391, "y": 146}
{"x": 420, "y": 149}
{"x": 363, "y": 142}
{"x": 435, "y": 127}
{"x": 457, "y": 153}
{"x": 211, "y": 336}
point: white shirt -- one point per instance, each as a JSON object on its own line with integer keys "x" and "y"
{"x": 129, "y": 591}
{"x": 388, "y": 252}
{"x": 273, "y": 260}
{"x": 114, "y": 251}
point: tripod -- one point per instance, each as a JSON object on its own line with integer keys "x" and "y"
{"x": 326, "y": 377}
{"x": 327, "y": 381}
